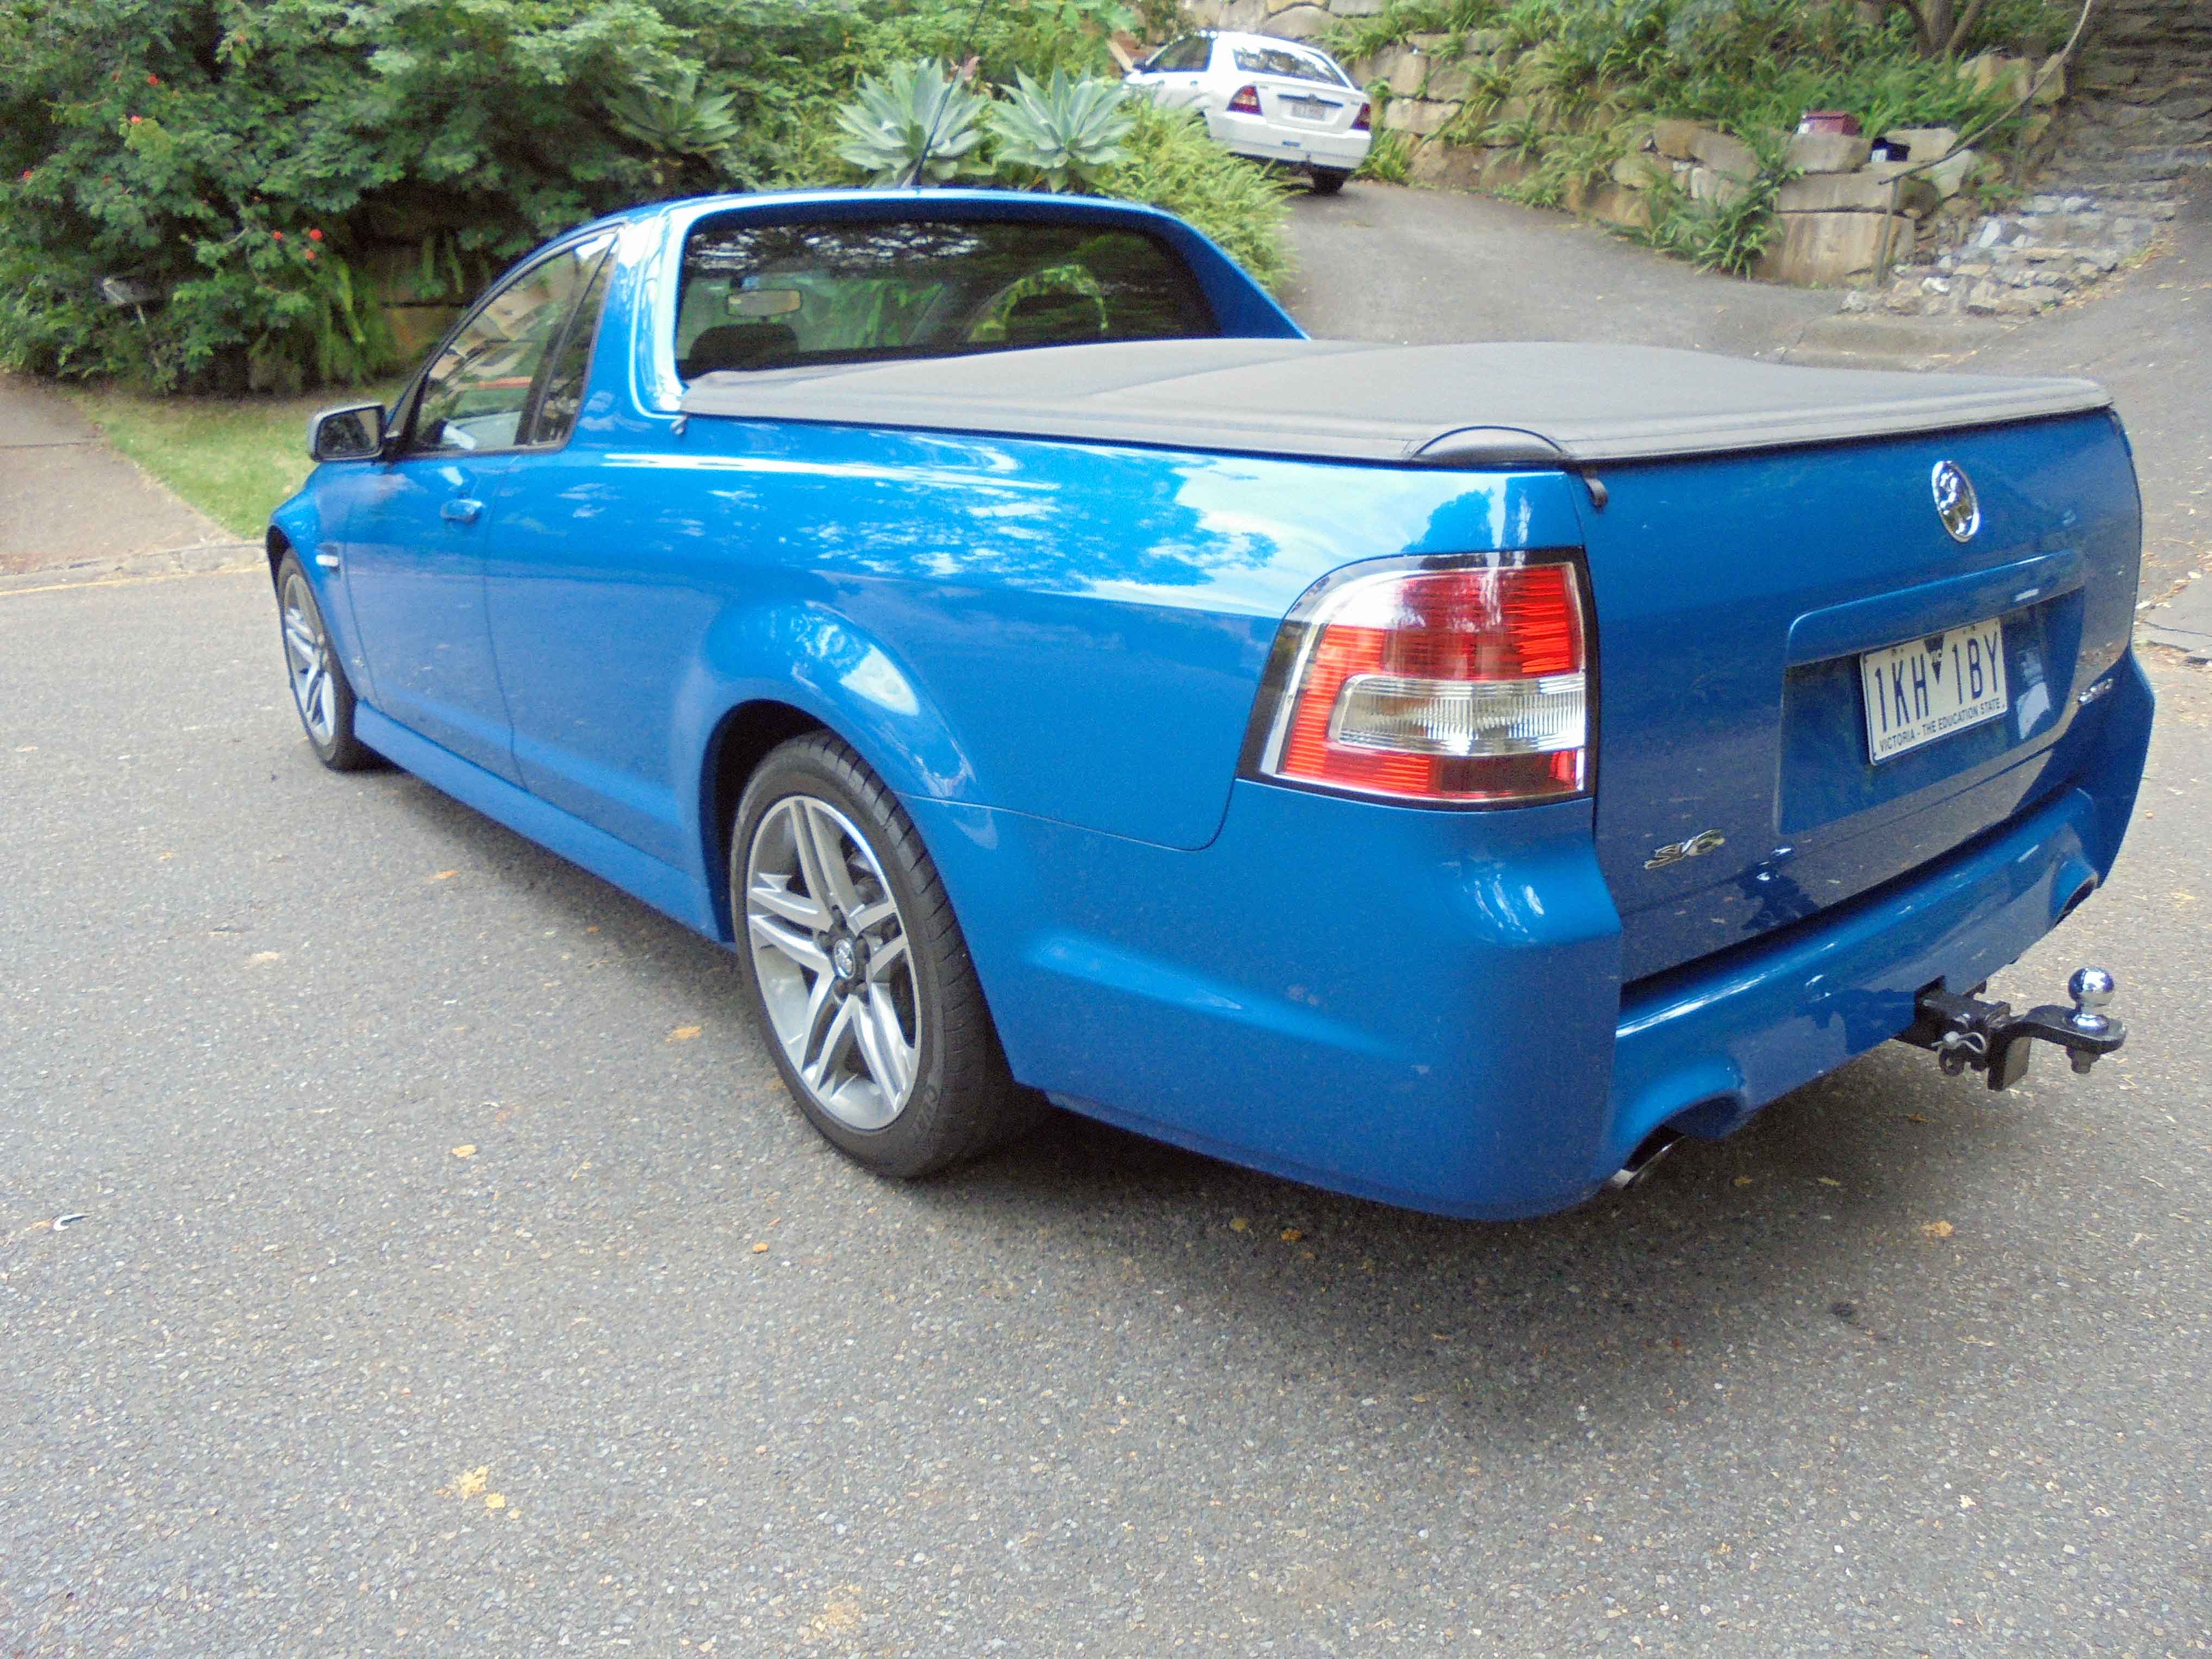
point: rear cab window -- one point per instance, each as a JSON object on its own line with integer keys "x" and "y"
{"x": 755, "y": 297}
{"x": 1291, "y": 62}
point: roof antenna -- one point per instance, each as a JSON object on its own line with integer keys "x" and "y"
{"x": 953, "y": 79}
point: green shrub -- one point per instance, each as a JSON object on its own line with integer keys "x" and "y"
{"x": 913, "y": 123}
{"x": 1389, "y": 159}
{"x": 1716, "y": 235}
{"x": 1170, "y": 163}
{"x": 1063, "y": 134}
{"x": 675, "y": 125}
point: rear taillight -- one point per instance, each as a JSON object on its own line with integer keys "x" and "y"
{"x": 1246, "y": 102}
{"x": 1462, "y": 685}
{"x": 1364, "y": 122}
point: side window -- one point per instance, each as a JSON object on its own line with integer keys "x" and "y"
{"x": 562, "y": 398}
{"x": 476, "y": 391}
{"x": 1188, "y": 53}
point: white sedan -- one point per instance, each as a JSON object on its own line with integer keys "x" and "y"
{"x": 1272, "y": 100}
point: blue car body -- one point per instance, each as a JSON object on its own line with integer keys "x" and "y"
{"x": 1051, "y": 645}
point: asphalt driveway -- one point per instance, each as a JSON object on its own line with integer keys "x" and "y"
{"x": 406, "y": 1247}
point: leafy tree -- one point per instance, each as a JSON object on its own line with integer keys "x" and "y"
{"x": 233, "y": 160}
{"x": 220, "y": 194}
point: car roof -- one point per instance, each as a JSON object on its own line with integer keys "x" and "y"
{"x": 941, "y": 202}
{"x": 1233, "y": 36}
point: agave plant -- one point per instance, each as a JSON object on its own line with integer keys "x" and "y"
{"x": 677, "y": 122}
{"x": 1066, "y": 132}
{"x": 914, "y": 123}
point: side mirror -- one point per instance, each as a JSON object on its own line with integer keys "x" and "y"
{"x": 354, "y": 433}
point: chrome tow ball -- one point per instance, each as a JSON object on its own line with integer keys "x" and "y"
{"x": 1967, "y": 1034}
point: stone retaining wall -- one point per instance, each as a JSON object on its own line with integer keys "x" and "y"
{"x": 1842, "y": 219}
{"x": 2137, "y": 130}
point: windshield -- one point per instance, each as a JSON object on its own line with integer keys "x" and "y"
{"x": 1292, "y": 63}
{"x": 783, "y": 296}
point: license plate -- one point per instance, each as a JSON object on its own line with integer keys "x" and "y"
{"x": 1309, "y": 109}
{"x": 1932, "y": 687}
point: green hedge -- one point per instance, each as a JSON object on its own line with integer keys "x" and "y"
{"x": 253, "y": 180}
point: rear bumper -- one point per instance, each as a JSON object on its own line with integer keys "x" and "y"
{"x": 1427, "y": 1008}
{"x": 1270, "y": 141}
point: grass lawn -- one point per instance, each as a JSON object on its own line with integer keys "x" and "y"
{"x": 233, "y": 458}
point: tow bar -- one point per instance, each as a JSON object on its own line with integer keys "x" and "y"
{"x": 1969, "y": 1035}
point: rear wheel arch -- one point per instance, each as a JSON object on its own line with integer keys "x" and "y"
{"x": 277, "y": 546}
{"x": 742, "y": 739}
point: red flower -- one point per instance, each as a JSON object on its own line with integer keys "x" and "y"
{"x": 277, "y": 236}
{"x": 26, "y": 175}
{"x": 153, "y": 80}
{"x": 314, "y": 235}
{"x": 136, "y": 120}
{"x": 311, "y": 254}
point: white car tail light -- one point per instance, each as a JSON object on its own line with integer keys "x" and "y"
{"x": 1245, "y": 101}
{"x": 1365, "y": 121}
{"x": 1461, "y": 685}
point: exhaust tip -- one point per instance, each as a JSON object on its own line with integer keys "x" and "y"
{"x": 1644, "y": 1159}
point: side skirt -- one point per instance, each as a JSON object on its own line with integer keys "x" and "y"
{"x": 666, "y": 889}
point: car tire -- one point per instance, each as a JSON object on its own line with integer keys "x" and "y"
{"x": 1326, "y": 181}
{"x": 857, "y": 971}
{"x": 320, "y": 691}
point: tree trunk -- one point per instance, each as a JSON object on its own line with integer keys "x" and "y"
{"x": 1933, "y": 22}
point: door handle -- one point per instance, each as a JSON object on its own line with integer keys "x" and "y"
{"x": 461, "y": 510}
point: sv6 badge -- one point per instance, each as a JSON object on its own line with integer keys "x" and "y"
{"x": 1704, "y": 842}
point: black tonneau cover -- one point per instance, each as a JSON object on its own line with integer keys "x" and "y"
{"x": 1519, "y": 404}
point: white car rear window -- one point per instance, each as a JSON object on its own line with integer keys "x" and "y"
{"x": 1292, "y": 63}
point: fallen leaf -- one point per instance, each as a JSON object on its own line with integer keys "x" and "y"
{"x": 468, "y": 1483}
{"x": 2180, "y": 898}
{"x": 1937, "y": 1229}
{"x": 760, "y": 1248}
{"x": 259, "y": 956}
{"x": 1237, "y": 1224}
{"x": 468, "y": 1150}
{"x": 1291, "y": 1235}
{"x": 1743, "y": 1181}
{"x": 445, "y": 875}
{"x": 1915, "y": 1117}
{"x": 494, "y": 1500}
{"x": 684, "y": 1034}
{"x": 1824, "y": 1181}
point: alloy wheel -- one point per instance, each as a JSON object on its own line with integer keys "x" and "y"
{"x": 830, "y": 954}
{"x": 306, "y": 659}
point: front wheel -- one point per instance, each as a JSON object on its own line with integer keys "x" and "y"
{"x": 320, "y": 691}
{"x": 1326, "y": 181}
{"x": 858, "y": 970}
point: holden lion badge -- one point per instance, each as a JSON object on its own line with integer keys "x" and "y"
{"x": 1956, "y": 504}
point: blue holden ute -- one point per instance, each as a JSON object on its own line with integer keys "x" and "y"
{"x": 1448, "y": 775}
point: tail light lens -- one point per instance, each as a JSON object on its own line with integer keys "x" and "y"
{"x": 1364, "y": 122}
{"x": 1463, "y": 685}
{"x": 1246, "y": 102}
